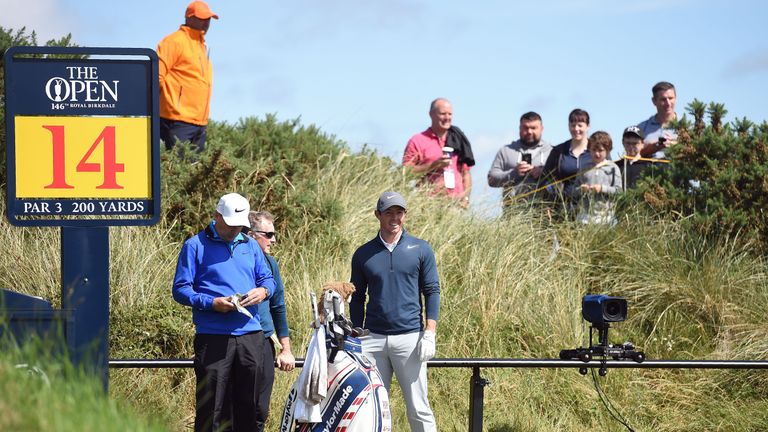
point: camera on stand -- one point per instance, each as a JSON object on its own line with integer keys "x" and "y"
{"x": 601, "y": 310}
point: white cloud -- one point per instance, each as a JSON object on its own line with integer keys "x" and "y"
{"x": 755, "y": 62}
{"x": 50, "y": 19}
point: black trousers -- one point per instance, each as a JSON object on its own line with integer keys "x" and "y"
{"x": 172, "y": 130}
{"x": 230, "y": 373}
{"x": 265, "y": 395}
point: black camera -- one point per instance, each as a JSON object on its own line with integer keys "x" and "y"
{"x": 662, "y": 140}
{"x": 527, "y": 158}
{"x": 601, "y": 309}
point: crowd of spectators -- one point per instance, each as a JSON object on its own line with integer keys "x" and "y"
{"x": 578, "y": 173}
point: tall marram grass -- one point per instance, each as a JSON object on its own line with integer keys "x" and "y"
{"x": 511, "y": 287}
{"x": 39, "y": 392}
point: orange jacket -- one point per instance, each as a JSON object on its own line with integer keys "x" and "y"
{"x": 186, "y": 77}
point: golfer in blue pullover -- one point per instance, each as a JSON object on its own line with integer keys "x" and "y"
{"x": 219, "y": 269}
{"x": 395, "y": 271}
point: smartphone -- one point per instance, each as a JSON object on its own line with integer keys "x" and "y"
{"x": 527, "y": 158}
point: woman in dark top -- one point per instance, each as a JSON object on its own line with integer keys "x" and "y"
{"x": 568, "y": 159}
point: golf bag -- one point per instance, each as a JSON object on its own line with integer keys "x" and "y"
{"x": 339, "y": 389}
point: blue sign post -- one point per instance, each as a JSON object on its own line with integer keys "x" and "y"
{"x": 85, "y": 294}
{"x": 83, "y": 153}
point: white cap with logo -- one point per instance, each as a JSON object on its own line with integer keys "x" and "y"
{"x": 234, "y": 209}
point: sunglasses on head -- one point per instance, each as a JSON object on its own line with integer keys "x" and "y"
{"x": 267, "y": 234}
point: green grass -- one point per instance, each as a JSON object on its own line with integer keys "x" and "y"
{"x": 42, "y": 393}
{"x": 505, "y": 293}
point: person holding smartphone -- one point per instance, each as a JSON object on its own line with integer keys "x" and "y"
{"x": 518, "y": 166}
{"x": 658, "y": 135}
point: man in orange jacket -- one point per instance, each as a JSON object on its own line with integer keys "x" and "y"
{"x": 186, "y": 78}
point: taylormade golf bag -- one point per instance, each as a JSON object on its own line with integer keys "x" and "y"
{"x": 338, "y": 389}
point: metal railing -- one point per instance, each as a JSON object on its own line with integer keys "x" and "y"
{"x": 478, "y": 383}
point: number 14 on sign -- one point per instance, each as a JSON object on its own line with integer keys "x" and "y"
{"x": 83, "y": 157}
{"x": 109, "y": 166}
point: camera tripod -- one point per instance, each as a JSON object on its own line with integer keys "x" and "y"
{"x": 603, "y": 350}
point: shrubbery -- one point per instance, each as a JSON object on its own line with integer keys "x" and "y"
{"x": 273, "y": 163}
{"x": 717, "y": 181}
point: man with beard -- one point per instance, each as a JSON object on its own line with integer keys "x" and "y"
{"x": 518, "y": 166}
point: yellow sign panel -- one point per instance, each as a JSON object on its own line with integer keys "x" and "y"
{"x": 83, "y": 157}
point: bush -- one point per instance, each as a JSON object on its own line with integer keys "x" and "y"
{"x": 729, "y": 163}
{"x": 274, "y": 164}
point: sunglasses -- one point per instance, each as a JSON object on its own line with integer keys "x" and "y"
{"x": 267, "y": 234}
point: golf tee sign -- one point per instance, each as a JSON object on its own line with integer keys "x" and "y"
{"x": 82, "y": 136}
{"x": 83, "y": 153}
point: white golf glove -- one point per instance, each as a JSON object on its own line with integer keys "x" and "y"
{"x": 427, "y": 346}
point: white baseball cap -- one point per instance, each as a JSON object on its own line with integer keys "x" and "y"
{"x": 234, "y": 209}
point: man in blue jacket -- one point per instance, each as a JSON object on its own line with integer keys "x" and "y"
{"x": 223, "y": 276}
{"x": 395, "y": 270}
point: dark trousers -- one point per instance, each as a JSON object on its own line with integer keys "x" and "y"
{"x": 230, "y": 372}
{"x": 172, "y": 130}
{"x": 264, "y": 396}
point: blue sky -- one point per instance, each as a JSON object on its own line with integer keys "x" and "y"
{"x": 365, "y": 71}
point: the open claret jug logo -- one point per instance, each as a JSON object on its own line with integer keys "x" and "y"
{"x": 80, "y": 87}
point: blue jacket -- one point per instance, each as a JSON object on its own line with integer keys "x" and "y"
{"x": 394, "y": 283}
{"x": 561, "y": 164}
{"x": 208, "y": 268}
{"x": 272, "y": 313}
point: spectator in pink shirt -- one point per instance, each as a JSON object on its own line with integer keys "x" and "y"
{"x": 424, "y": 152}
